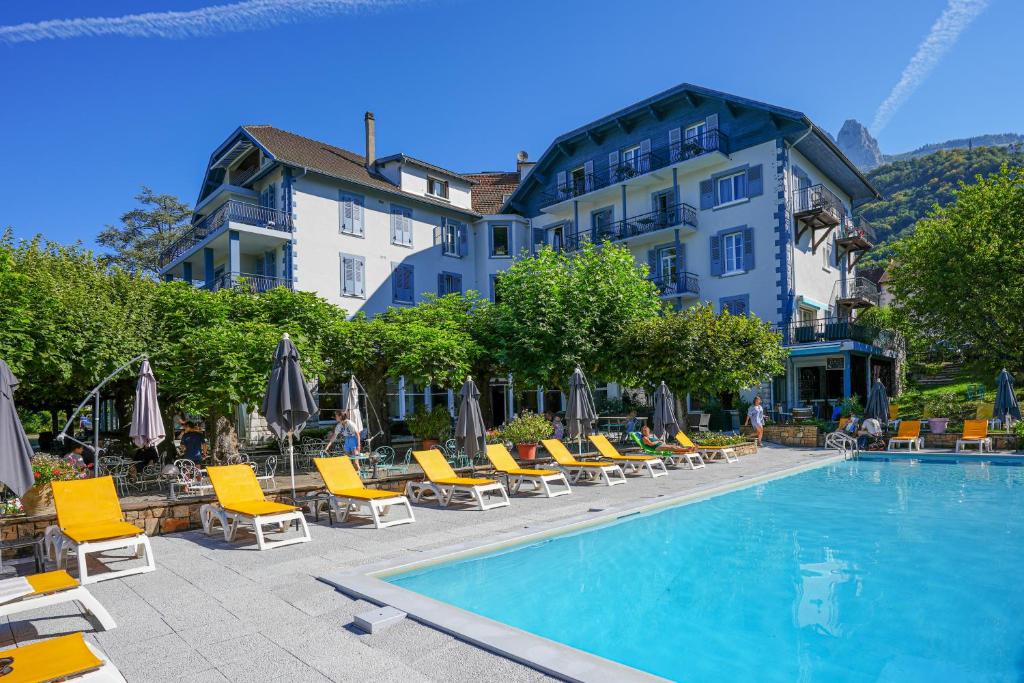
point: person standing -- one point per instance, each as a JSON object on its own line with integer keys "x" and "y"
{"x": 194, "y": 441}
{"x": 346, "y": 429}
{"x": 755, "y": 418}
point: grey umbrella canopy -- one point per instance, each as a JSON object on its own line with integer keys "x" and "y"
{"x": 147, "y": 426}
{"x": 470, "y": 433}
{"x": 288, "y": 402}
{"x": 15, "y": 450}
{"x": 1006, "y": 406}
{"x": 352, "y": 404}
{"x": 580, "y": 413}
{"x": 878, "y": 403}
{"x": 665, "y": 423}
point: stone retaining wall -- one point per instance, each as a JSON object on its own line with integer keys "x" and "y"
{"x": 792, "y": 435}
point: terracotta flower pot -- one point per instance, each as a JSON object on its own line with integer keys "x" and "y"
{"x": 527, "y": 451}
{"x": 429, "y": 443}
{"x": 937, "y": 425}
{"x": 38, "y": 500}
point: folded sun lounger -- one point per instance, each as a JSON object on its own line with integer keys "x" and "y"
{"x": 90, "y": 520}
{"x": 240, "y": 500}
{"x": 539, "y": 480}
{"x": 668, "y": 456}
{"x": 634, "y": 463}
{"x": 909, "y": 435}
{"x": 712, "y": 452}
{"x": 610, "y": 472}
{"x": 346, "y": 492}
{"x": 445, "y": 484}
{"x": 65, "y": 658}
{"x": 50, "y": 588}
{"x": 975, "y": 434}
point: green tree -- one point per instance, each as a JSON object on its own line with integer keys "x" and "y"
{"x": 558, "y": 311}
{"x": 700, "y": 352}
{"x": 145, "y": 231}
{"x": 959, "y": 278}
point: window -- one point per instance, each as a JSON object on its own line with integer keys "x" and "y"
{"x": 807, "y": 315}
{"x": 827, "y": 250}
{"x": 437, "y": 188}
{"x": 401, "y": 225}
{"x": 540, "y": 239}
{"x": 402, "y": 291}
{"x": 453, "y": 238}
{"x": 696, "y": 132}
{"x": 353, "y": 276}
{"x": 667, "y": 263}
{"x": 631, "y": 158}
{"x": 732, "y": 188}
{"x": 601, "y": 223}
{"x": 268, "y": 197}
{"x": 558, "y": 238}
{"x": 732, "y": 256}
{"x": 449, "y": 283}
{"x": 494, "y": 288}
{"x": 578, "y": 180}
{"x": 736, "y": 305}
{"x": 501, "y": 246}
{"x": 393, "y": 388}
{"x": 351, "y": 214}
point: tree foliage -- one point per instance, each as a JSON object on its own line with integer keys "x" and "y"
{"x": 145, "y": 231}
{"x": 959, "y": 279}
{"x": 559, "y": 310}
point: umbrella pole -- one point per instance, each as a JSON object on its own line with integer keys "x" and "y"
{"x": 291, "y": 463}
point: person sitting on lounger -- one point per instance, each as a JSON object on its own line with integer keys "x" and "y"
{"x": 869, "y": 432}
{"x": 651, "y": 440}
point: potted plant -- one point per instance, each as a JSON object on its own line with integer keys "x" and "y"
{"x": 943, "y": 407}
{"x": 525, "y": 432}
{"x": 46, "y": 468}
{"x": 430, "y": 426}
{"x": 851, "y": 406}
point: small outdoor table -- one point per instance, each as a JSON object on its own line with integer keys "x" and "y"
{"x": 27, "y": 542}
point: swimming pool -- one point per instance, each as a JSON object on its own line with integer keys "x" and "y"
{"x": 858, "y": 571}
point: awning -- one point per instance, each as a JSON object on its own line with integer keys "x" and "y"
{"x": 808, "y": 301}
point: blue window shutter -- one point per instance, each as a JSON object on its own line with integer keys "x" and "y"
{"x": 613, "y": 166}
{"x": 357, "y": 214}
{"x": 490, "y": 240}
{"x": 441, "y": 291}
{"x": 463, "y": 248}
{"x": 410, "y": 290}
{"x": 588, "y": 175}
{"x": 457, "y": 284}
{"x": 396, "y": 276}
{"x": 560, "y": 184}
{"x": 645, "y": 156}
{"x": 360, "y": 276}
{"x": 652, "y": 262}
{"x": 707, "y": 194}
{"x": 394, "y": 224}
{"x": 748, "y": 248}
{"x": 712, "y": 121}
{"x": 716, "y": 255}
{"x": 754, "y": 181}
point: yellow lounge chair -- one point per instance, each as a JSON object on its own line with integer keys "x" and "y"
{"x": 711, "y": 452}
{"x": 346, "y": 492}
{"x": 65, "y": 658}
{"x": 443, "y": 483}
{"x": 240, "y": 500}
{"x": 975, "y": 434}
{"x": 908, "y": 434}
{"x": 539, "y": 480}
{"x": 90, "y": 520}
{"x": 610, "y": 472}
{"x": 654, "y": 466}
{"x": 50, "y": 588}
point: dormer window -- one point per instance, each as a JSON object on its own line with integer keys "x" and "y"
{"x": 437, "y": 188}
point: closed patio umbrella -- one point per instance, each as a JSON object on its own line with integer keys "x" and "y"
{"x": 878, "y": 403}
{"x": 147, "y": 428}
{"x": 1006, "y": 407}
{"x": 15, "y": 450}
{"x": 352, "y": 404}
{"x": 470, "y": 433}
{"x": 580, "y": 413}
{"x": 288, "y": 402}
{"x": 665, "y": 423}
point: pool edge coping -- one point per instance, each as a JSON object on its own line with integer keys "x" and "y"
{"x": 543, "y": 654}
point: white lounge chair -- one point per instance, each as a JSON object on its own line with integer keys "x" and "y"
{"x": 634, "y": 463}
{"x": 25, "y": 593}
{"x": 346, "y": 492}
{"x": 240, "y": 500}
{"x": 444, "y": 484}
{"x": 609, "y": 472}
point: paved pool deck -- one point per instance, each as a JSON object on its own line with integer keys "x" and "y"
{"x": 214, "y": 611}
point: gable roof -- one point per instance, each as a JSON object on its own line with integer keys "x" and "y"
{"x": 296, "y": 150}
{"x": 406, "y": 159}
{"x": 809, "y": 139}
{"x": 491, "y": 190}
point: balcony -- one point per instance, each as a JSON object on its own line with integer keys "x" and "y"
{"x": 676, "y": 215}
{"x": 232, "y": 211}
{"x": 854, "y": 240}
{"x": 683, "y": 285}
{"x": 817, "y": 209}
{"x": 604, "y": 175}
{"x": 826, "y": 330}
{"x": 249, "y": 281}
{"x": 859, "y": 292}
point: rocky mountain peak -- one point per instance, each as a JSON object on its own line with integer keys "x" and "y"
{"x": 856, "y": 143}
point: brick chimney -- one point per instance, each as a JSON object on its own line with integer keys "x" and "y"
{"x": 371, "y": 139}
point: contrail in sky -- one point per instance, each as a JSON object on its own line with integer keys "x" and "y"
{"x": 247, "y": 15}
{"x": 945, "y": 31}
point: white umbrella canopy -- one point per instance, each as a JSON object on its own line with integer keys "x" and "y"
{"x": 352, "y": 404}
{"x": 147, "y": 428}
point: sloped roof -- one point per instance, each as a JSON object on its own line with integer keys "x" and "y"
{"x": 405, "y": 158}
{"x": 333, "y": 161}
{"x": 491, "y": 189}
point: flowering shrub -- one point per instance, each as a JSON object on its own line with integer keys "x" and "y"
{"x": 47, "y": 468}
{"x": 716, "y": 439}
{"x": 11, "y": 507}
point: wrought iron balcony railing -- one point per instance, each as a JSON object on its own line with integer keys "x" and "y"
{"x": 818, "y": 199}
{"x": 652, "y": 221}
{"x": 826, "y": 329}
{"x": 232, "y": 211}
{"x": 250, "y": 281}
{"x": 857, "y": 292}
{"x": 605, "y": 174}
{"x": 678, "y": 284}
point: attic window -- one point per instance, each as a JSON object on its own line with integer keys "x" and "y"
{"x": 437, "y": 188}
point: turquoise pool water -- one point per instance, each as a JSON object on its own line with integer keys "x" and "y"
{"x": 859, "y": 571}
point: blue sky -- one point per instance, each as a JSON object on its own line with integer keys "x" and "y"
{"x": 464, "y": 84}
